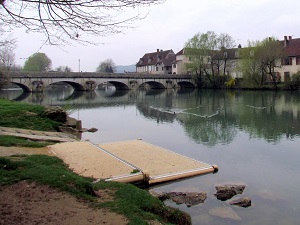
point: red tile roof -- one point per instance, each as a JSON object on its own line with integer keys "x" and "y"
{"x": 153, "y": 58}
{"x": 292, "y": 46}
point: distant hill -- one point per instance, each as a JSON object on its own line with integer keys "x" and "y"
{"x": 129, "y": 68}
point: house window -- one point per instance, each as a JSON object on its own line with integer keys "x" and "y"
{"x": 162, "y": 68}
{"x": 225, "y": 55}
{"x": 174, "y": 66}
{"x": 156, "y": 68}
{"x": 288, "y": 61}
{"x": 298, "y": 60}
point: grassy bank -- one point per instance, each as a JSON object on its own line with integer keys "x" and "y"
{"x": 23, "y": 115}
{"x": 135, "y": 203}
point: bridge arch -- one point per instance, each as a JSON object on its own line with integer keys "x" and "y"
{"x": 23, "y": 86}
{"x": 185, "y": 84}
{"x": 153, "y": 85}
{"x": 119, "y": 85}
{"x": 75, "y": 86}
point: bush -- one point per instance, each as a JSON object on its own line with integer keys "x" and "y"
{"x": 294, "y": 83}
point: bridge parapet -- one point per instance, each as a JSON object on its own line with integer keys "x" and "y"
{"x": 96, "y": 75}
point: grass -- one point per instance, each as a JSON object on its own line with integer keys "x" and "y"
{"x": 135, "y": 203}
{"x": 9, "y": 141}
{"x": 26, "y": 116}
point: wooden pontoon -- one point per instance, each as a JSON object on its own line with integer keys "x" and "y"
{"x": 129, "y": 161}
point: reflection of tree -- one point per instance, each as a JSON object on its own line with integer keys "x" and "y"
{"x": 210, "y": 131}
{"x": 269, "y": 115}
{"x": 154, "y": 113}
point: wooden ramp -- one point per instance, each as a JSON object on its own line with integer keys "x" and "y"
{"x": 128, "y": 161}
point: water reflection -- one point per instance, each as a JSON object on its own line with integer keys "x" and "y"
{"x": 208, "y": 117}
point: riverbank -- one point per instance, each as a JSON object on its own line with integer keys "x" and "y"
{"x": 26, "y": 174}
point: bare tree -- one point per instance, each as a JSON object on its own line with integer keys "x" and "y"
{"x": 7, "y": 56}
{"x": 65, "y": 69}
{"x": 61, "y": 20}
{"x": 106, "y": 66}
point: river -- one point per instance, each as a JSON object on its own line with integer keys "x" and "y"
{"x": 253, "y": 136}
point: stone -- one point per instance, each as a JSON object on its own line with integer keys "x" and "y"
{"x": 226, "y": 192}
{"x": 242, "y": 202}
{"x": 225, "y": 213}
{"x": 188, "y": 198}
{"x": 55, "y": 113}
{"x": 92, "y": 130}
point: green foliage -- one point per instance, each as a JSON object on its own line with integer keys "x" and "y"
{"x": 230, "y": 83}
{"x": 207, "y": 63}
{"x": 259, "y": 60}
{"x": 38, "y": 62}
{"x": 294, "y": 83}
{"x": 9, "y": 141}
{"x": 23, "y": 115}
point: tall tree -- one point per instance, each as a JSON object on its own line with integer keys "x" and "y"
{"x": 204, "y": 51}
{"x": 250, "y": 66}
{"x": 38, "y": 62}
{"x": 7, "y": 56}
{"x": 106, "y": 66}
{"x": 259, "y": 60}
{"x": 62, "y": 20}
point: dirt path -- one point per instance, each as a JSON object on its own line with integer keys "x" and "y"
{"x": 8, "y": 151}
{"x": 29, "y": 203}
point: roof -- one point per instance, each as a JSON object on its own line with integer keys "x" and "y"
{"x": 292, "y": 46}
{"x": 153, "y": 58}
{"x": 227, "y": 53}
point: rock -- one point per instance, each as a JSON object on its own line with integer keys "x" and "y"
{"x": 66, "y": 129}
{"x": 161, "y": 196}
{"x": 74, "y": 123}
{"x": 226, "y": 192}
{"x": 188, "y": 198}
{"x": 242, "y": 202}
{"x": 56, "y": 113}
{"x": 225, "y": 213}
{"x": 93, "y": 130}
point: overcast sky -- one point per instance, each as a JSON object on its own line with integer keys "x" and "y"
{"x": 169, "y": 26}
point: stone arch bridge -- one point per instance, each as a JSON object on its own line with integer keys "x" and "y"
{"x": 85, "y": 81}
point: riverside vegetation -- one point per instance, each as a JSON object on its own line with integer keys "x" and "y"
{"x": 136, "y": 204}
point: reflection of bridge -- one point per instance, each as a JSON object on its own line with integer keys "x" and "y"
{"x": 37, "y": 81}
